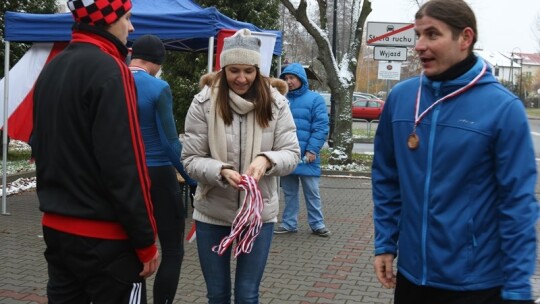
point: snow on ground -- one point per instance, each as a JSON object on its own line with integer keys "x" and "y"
{"x": 19, "y": 166}
{"x": 19, "y": 185}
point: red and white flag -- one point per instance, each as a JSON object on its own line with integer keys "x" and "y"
{"x": 21, "y": 87}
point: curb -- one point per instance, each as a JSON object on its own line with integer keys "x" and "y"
{"x": 363, "y": 140}
{"x": 12, "y": 177}
{"x": 328, "y": 173}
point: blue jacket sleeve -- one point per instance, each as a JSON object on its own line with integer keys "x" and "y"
{"x": 167, "y": 133}
{"x": 319, "y": 127}
{"x": 386, "y": 191}
{"x": 518, "y": 211}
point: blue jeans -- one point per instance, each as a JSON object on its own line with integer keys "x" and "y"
{"x": 217, "y": 269}
{"x": 310, "y": 184}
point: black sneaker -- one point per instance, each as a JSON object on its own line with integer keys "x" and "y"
{"x": 283, "y": 230}
{"x": 322, "y": 232}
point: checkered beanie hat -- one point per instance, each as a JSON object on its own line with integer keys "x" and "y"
{"x": 241, "y": 48}
{"x": 98, "y": 12}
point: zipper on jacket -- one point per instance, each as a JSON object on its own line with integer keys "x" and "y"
{"x": 427, "y": 184}
{"x": 238, "y": 197}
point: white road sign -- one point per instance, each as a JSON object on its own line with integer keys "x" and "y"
{"x": 389, "y": 70}
{"x": 390, "y": 53}
{"x": 390, "y": 34}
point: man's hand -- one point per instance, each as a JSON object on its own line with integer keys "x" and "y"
{"x": 150, "y": 267}
{"x": 310, "y": 157}
{"x": 258, "y": 167}
{"x": 384, "y": 270}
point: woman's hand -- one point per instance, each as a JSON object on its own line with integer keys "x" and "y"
{"x": 232, "y": 177}
{"x": 258, "y": 167}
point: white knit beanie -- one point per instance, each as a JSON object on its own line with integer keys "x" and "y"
{"x": 241, "y": 48}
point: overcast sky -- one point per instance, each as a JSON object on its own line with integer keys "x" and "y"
{"x": 503, "y": 25}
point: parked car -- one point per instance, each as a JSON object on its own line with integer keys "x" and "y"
{"x": 369, "y": 109}
{"x": 363, "y": 107}
{"x": 365, "y": 95}
{"x": 326, "y": 97}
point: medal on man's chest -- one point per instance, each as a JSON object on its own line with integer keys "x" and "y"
{"x": 413, "y": 141}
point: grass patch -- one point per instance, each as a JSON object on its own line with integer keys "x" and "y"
{"x": 18, "y": 158}
{"x": 18, "y": 155}
{"x": 360, "y": 162}
{"x": 363, "y": 133}
{"x": 533, "y": 112}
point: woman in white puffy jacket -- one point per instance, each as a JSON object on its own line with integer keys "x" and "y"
{"x": 239, "y": 123}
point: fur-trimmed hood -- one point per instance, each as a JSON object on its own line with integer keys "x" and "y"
{"x": 280, "y": 85}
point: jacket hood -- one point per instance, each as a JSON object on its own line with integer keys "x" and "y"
{"x": 297, "y": 70}
{"x": 280, "y": 85}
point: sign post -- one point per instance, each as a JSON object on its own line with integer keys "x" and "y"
{"x": 390, "y": 41}
{"x": 389, "y": 70}
{"x": 390, "y": 34}
{"x": 390, "y": 53}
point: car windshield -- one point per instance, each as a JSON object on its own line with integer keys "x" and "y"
{"x": 365, "y": 95}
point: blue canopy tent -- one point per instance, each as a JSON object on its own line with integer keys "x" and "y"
{"x": 181, "y": 24}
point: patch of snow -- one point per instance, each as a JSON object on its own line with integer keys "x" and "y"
{"x": 19, "y": 185}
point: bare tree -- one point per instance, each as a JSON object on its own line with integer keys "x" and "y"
{"x": 341, "y": 74}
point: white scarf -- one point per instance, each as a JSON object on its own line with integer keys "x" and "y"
{"x": 217, "y": 139}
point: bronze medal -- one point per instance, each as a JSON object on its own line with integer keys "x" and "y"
{"x": 413, "y": 141}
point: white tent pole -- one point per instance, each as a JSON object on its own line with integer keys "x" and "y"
{"x": 210, "y": 54}
{"x": 5, "y": 129}
{"x": 278, "y": 72}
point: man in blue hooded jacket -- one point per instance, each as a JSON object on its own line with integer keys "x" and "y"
{"x": 454, "y": 175}
{"x": 311, "y": 119}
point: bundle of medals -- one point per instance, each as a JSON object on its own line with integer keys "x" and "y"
{"x": 248, "y": 221}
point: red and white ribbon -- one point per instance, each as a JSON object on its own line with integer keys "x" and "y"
{"x": 418, "y": 117}
{"x": 248, "y": 221}
{"x": 192, "y": 234}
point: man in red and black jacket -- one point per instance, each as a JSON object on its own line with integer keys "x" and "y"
{"x": 92, "y": 181}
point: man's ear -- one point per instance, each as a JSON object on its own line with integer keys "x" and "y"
{"x": 468, "y": 38}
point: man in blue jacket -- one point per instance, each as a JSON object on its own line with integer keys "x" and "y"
{"x": 311, "y": 119}
{"x": 454, "y": 175}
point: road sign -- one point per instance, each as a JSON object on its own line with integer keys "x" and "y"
{"x": 390, "y": 53}
{"x": 390, "y": 34}
{"x": 389, "y": 70}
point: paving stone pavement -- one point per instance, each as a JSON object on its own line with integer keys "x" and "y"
{"x": 302, "y": 268}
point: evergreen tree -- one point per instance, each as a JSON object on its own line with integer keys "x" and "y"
{"x": 28, "y": 6}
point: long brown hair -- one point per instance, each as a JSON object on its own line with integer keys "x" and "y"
{"x": 259, "y": 94}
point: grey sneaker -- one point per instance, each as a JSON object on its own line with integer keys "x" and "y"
{"x": 324, "y": 232}
{"x": 283, "y": 230}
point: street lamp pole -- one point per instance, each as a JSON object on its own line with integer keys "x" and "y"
{"x": 520, "y": 70}
{"x": 512, "y": 70}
